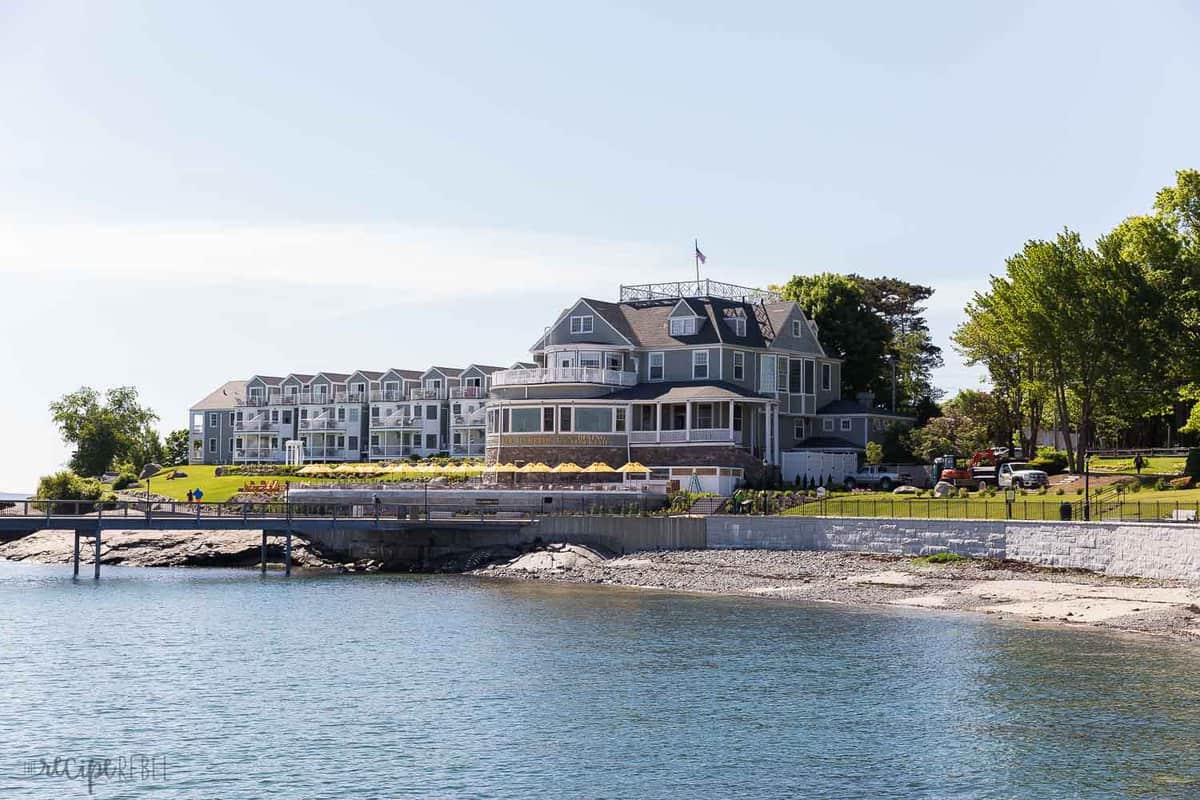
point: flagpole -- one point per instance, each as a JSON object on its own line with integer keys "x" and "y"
{"x": 696, "y": 255}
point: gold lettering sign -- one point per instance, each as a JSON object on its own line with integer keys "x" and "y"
{"x": 562, "y": 439}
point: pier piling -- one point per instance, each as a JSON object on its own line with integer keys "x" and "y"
{"x": 263, "y": 554}
{"x": 287, "y": 556}
{"x": 76, "y": 561}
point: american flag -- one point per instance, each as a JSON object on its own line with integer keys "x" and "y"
{"x": 700, "y": 256}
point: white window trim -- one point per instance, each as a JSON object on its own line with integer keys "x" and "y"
{"x": 846, "y": 424}
{"x": 798, "y": 430}
{"x": 796, "y": 329}
{"x": 696, "y": 359}
{"x": 826, "y": 377}
{"x": 739, "y": 365}
{"x": 212, "y": 445}
{"x": 662, "y": 366}
{"x": 827, "y": 424}
{"x": 586, "y": 324}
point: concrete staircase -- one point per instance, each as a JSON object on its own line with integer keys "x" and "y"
{"x": 705, "y": 506}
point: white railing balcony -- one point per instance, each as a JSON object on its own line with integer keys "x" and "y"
{"x": 254, "y": 401}
{"x": 321, "y": 424}
{"x": 329, "y": 454}
{"x": 258, "y": 454}
{"x": 387, "y": 395}
{"x": 466, "y": 392}
{"x": 197, "y": 430}
{"x": 467, "y": 451}
{"x": 676, "y": 436}
{"x": 426, "y": 393}
{"x": 395, "y": 421}
{"x": 289, "y": 399}
{"x": 390, "y": 451}
{"x": 597, "y": 375}
{"x": 476, "y": 419}
{"x": 257, "y": 424}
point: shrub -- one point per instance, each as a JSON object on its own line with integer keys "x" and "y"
{"x": 124, "y": 481}
{"x": 1049, "y": 460}
{"x": 1079, "y": 491}
{"x": 945, "y": 557}
{"x": 1162, "y": 484}
{"x": 1181, "y": 483}
{"x": 964, "y": 492}
{"x": 66, "y": 485}
{"x": 1059, "y": 491}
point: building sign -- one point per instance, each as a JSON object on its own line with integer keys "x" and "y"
{"x": 562, "y": 439}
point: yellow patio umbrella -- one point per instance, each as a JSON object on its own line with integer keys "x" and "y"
{"x": 569, "y": 466}
{"x": 535, "y": 466}
{"x": 633, "y": 466}
{"x": 509, "y": 467}
{"x": 346, "y": 469}
{"x": 313, "y": 469}
{"x": 598, "y": 466}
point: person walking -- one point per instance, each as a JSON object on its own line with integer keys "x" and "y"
{"x": 1138, "y": 463}
{"x": 190, "y": 496}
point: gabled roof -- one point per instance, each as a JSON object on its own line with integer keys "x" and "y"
{"x": 269, "y": 380}
{"x": 647, "y": 322}
{"x": 333, "y": 377}
{"x": 369, "y": 374}
{"x": 688, "y": 308}
{"x": 302, "y": 377}
{"x": 850, "y": 407}
{"x": 405, "y": 374}
{"x": 224, "y": 396}
{"x": 524, "y": 365}
{"x": 486, "y": 369}
{"x": 449, "y": 372}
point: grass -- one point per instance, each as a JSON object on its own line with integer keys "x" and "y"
{"x": 1146, "y": 504}
{"x": 1155, "y": 465}
{"x": 945, "y": 557}
{"x": 217, "y": 489}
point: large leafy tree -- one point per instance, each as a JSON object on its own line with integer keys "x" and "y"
{"x": 106, "y": 430}
{"x": 902, "y": 306}
{"x": 175, "y": 448}
{"x": 847, "y": 326}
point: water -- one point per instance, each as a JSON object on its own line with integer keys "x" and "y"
{"x": 398, "y": 686}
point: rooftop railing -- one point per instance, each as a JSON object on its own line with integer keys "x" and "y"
{"x": 541, "y": 375}
{"x": 466, "y": 392}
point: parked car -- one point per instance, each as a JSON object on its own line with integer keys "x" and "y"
{"x": 1019, "y": 475}
{"x": 876, "y": 477}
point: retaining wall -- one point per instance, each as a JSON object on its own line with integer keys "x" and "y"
{"x": 1142, "y": 549}
{"x": 625, "y": 534}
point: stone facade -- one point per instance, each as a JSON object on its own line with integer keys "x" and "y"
{"x": 613, "y": 456}
{"x": 700, "y": 456}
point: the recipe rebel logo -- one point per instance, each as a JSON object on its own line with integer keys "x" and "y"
{"x": 94, "y": 771}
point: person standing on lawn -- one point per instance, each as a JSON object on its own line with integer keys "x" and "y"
{"x": 1138, "y": 463}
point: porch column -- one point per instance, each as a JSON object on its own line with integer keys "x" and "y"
{"x": 687, "y": 420}
{"x": 778, "y": 444}
{"x": 658, "y": 423}
{"x": 731, "y": 420}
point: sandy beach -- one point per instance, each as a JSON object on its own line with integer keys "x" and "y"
{"x": 1005, "y": 589}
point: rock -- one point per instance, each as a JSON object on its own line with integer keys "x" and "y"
{"x": 943, "y": 489}
{"x": 906, "y": 489}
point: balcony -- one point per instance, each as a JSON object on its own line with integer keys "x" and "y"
{"x": 387, "y": 395}
{"x": 396, "y": 421}
{"x": 684, "y": 436}
{"x": 330, "y": 454}
{"x": 427, "y": 393}
{"x": 258, "y": 454}
{"x": 476, "y": 419}
{"x": 322, "y": 424}
{"x": 257, "y": 424}
{"x": 466, "y": 393}
{"x": 542, "y": 375}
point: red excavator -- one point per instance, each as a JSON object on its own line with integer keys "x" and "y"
{"x": 977, "y": 473}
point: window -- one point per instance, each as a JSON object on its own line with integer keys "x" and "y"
{"x": 593, "y": 420}
{"x": 683, "y": 326}
{"x": 287, "y": 416}
{"x": 475, "y": 383}
{"x": 826, "y": 377}
{"x": 846, "y": 423}
{"x": 231, "y": 445}
{"x": 781, "y": 374}
{"x": 456, "y": 408}
{"x": 827, "y": 424}
{"x": 274, "y": 442}
{"x": 581, "y": 324}
{"x": 809, "y": 366}
{"x": 353, "y": 414}
{"x": 341, "y": 442}
{"x": 275, "y": 416}
{"x": 796, "y": 328}
{"x": 391, "y": 390}
{"x": 564, "y": 419}
{"x": 619, "y": 427}
{"x": 612, "y": 360}
{"x": 431, "y": 441}
{"x": 589, "y": 360}
{"x": 341, "y": 415}
{"x": 737, "y": 418}
{"x": 656, "y": 366}
{"x": 375, "y": 413}
{"x": 647, "y": 418}
{"x": 525, "y": 420}
{"x": 431, "y": 412}
{"x": 798, "y": 430}
{"x": 739, "y": 365}
{"x": 737, "y": 324}
{"x": 213, "y": 421}
{"x": 766, "y": 374}
{"x": 353, "y": 442}
{"x": 548, "y": 419}
{"x": 418, "y": 411}
{"x": 704, "y": 416}
{"x": 699, "y": 365}
{"x": 304, "y": 413}
{"x": 457, "y": 439}
{"x": 232, "y": 417}
{"x": 212, "y": 445}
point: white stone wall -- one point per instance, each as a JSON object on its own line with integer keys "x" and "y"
{"x": 1149, "y": 550}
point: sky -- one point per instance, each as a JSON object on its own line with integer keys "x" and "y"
{"x": 193, "y": 192}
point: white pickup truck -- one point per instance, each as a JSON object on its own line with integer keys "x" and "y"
{"x": 875, "y": 478}
{"x": 1018, "y": 475}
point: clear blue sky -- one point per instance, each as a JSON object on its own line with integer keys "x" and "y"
{"x": 198, "y": 191}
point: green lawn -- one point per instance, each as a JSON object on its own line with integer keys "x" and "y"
{"x": 216, "y": 489}
{"x": 1140, "y": 505}
{"x": 1155, "y": 465}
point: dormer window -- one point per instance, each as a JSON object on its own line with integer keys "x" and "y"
{"x": 796, "y": 328}
{"x": 581, "y": 324}
{"x": 683, "y": 326}
{"x": 735, "y": 318}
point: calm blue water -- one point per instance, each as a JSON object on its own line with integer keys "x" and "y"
{"x": 383, "y": 686}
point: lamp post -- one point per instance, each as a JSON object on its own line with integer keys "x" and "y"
{"x": 1087, "y": 487}
{"x": 148, "y": 471}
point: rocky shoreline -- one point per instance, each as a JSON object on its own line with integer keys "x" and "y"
{"x": 1007, "y": 590}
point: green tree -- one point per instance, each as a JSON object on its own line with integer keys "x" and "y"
{"x": 105, "y": 431}
{"x": 847, "y": 327}
{"x": 953, "y": 433}
{"x": 874, "y": 454}
{"x": 901, "y": 305}
{"x": 175, "y": 448}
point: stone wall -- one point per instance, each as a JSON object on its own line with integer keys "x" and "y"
{"x": 1140, "y": 549}
{"x": 625, "y": 535}
{"x": 699, "y": 456}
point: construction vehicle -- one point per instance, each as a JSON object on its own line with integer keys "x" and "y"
{"x": 978, "y": 472}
